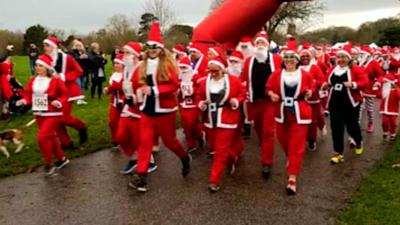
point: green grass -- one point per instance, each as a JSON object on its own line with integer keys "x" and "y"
{"x": 95, "y": 114}
{"x": 377, "y": 202}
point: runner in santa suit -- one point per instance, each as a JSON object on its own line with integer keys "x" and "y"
{"x": 290, "y": 88}
{"x": 128, "y": 130}
{"x": 47, "y": 94}
{"x": 395, "y": 61}
{"x": 309, "y": 64}
{"x": 374, "y": 72}
{"x": 220, "y": 96}
{"x": 257, "y": 69}
{"x": 116, "y": 96}
{"x": 246, "y": 48}
{"x": 389, "y": 106}
{"x": 345, "y": 83}
{"x": 156, "y": 84}
{"x": 187, "y": 107}
{"x": 235, "y": 67}
{"x": 69, "y": 71}
{"x": 199, "y": 62}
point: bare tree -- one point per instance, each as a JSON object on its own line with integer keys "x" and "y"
{"x": 215, "y": 4}
{"x": 301, "y": 13}
{"x": 162, "y": 10}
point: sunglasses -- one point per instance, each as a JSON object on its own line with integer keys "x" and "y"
{"x": 153, "y": 46}
{"x": 289, "y": 57}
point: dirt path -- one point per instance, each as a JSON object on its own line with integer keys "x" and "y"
{"x": 91, "y": 191}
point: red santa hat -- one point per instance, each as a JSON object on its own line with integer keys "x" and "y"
{"x": 179, "y": 49}
{"x": 155, "y": 37}
{"x": 45, "y": 60}
{"x": 217, "y": 51}
{"x": 306, "y": 48}
{"x": 345, "y": 50}
{"x": 219, "y": 62}
{"x": 246, "y": 40}
{"x": 194, "y": 47}
{"x": 119, "y": 58}
{"x": 366, "y": 50}
{"x": 185, "y": 62}
{"x": 236, "y": 56}
{"x": 133, "y": 47}
{"x": 291, "y": 49}
{"x": 52, "y": 41}
{"x": 390, "y": 78}
{"x": 262, "y": 35}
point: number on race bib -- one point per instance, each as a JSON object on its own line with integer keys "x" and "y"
{"x": 40, "y": 103}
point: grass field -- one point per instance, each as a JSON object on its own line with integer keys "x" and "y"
{"x": 95, "y": 113}
{"x": 377, "y": 202}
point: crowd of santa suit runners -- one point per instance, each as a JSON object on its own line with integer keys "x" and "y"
{"x": 281, "y": 93}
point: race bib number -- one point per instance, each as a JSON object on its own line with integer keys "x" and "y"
{"x": 187, "y": 88}
{"x": 40, "y": 103}
{"x": 127, "y": 87}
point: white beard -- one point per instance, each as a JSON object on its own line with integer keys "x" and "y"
{"x": 54, "y": 56}
{"x": 186, "y": 75}
{"x": 235, "y": 70}
{"x": 386, "y": 88}
{"x": 261, "y": 54}
{"x": 396, "y": 56}
{"x": 386, "y": 65}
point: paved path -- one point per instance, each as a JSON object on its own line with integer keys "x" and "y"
{"x": 91, "y": 191}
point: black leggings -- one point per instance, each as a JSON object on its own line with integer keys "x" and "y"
{"x": 97, "y": 83}
{"x": 346, "y": 117}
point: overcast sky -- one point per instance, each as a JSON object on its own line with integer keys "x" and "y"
{"x": 89, "y": 15}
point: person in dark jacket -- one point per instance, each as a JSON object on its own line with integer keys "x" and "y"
{"x": 33, "y": 53}
{"x": 82, "y": 57}
{"x": 98, "y": 62}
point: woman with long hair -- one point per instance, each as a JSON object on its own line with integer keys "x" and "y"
{"x": 156, "y": 85}
{"x": 47, "y": 94}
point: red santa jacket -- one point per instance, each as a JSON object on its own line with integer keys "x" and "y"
{"x": 374, "y": 72}
{"x": 53, "y": 89}
{"x": 228, "y": 116}
{"x": 165, "y": 91}
{"x": 127, "y": 88}
{"x": 302, "y": 108}
{"x": 390, "y": 100}
{"x": 200, "y": 69}
{"x": 275, "y": 64}
{"x": 394, "y": 65}
{"x": 318, "y": 78}
{"x": 115, "y": 89}
{"x": 6, "y": 71}
{"x": 360, "y": 81}
{"x": 69, "y": 72}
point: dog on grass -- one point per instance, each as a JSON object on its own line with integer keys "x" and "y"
{"x": 11, "y": 136}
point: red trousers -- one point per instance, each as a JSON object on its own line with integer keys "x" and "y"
{"x": 389, "y": 124}
{"x": 128, "y": 134}
{"x": 164, "y": 126}
{"x": 292, "y": 137}
{"x": 324, "y": 103}
{"x": 264, "y": 124}
{"x": 224, "y": 153}
{"x": 113, "y": 118}
{"x": 318, "y": 122}
{"x": 47, "y": 139}
{"x": 191, "y": 126}
{"x": 67, "y": 120}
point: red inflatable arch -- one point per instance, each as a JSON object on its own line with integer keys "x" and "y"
{"x": 234, "y": 19}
